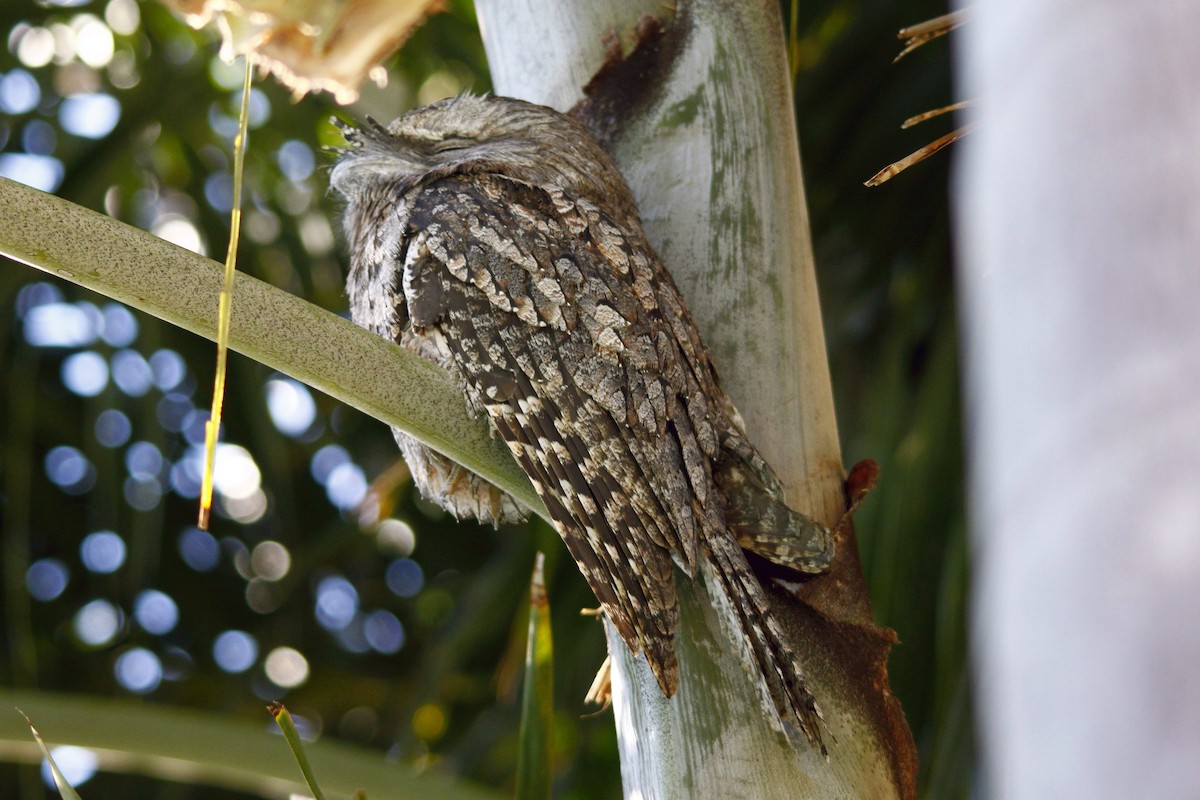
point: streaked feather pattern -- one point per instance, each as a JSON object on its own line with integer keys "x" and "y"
{"x": 496, "y": 238}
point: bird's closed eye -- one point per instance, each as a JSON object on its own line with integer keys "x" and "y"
{"x": 448, "y": 145}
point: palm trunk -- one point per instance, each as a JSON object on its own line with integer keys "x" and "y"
{"x": 1078, "y": 201}
{"x": 712, "y": 158}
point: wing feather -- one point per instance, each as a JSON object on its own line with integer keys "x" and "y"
{"x": 562, "y": 341}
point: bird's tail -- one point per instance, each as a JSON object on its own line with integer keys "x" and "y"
{"x": 761, "y": 523}
{"x": 769, "y": 652}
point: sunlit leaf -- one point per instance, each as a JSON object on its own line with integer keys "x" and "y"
{"x": 535, "y": 767}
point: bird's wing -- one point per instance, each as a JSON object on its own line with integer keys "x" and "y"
{"x": 561, "y": 327}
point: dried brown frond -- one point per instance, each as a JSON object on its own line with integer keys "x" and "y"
{"x": 895, "y": 168}
{"x": 311, "y": 45}
{"x": 916, "y": 35}
{"x": 937, "y": 112}
{"x": 600, "y": 692}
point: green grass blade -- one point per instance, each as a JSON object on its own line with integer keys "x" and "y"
{"x": 535, "y": 765}
{"x": 284, "y": 720}
{"x": 205, "y": 748}
{"x": 65, "y": 790}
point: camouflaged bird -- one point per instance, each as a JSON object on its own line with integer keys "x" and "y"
{"x": 497, "y": 239}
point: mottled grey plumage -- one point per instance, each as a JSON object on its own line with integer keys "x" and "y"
{"x": 497, "y": 239}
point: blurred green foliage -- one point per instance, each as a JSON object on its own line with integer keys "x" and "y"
{"x": 446, "y": 699}
{"x": 884, "y": 266}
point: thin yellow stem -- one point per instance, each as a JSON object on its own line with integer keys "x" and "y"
{"x": 224, "y": 314}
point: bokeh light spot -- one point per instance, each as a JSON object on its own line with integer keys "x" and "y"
{"x": 325, "y": 460}
{"x": 93, "y": 41}
{"x": 236, "y": 476}
{"x": 316, "y": 235}
{"x": 113, "y": 428}
{"x": 122, "y": 16}
{"x": 172, "y": 411}
{"x": 97, "y": 623}
{"x": 77, "y": 765}
{"x": 286, "y": 667}
{"x": 218, "y": 191}
{"x": 120, "y": 325}
{"x": 46, "y": 579}
{"x": 33, "y": 295}
{"x": 138, "y": 670}
{"x": 223, "y": 124}
{"x": 395, "y": 537}
{"x": 296, "y": 160}
{"x": 177, "y": 663}
{"x": 35, "y": 49}
{"x": 351, "y": 638}
{"x": 270, "y": 560}
{"x": 384, "y": 632}
{"x": 261, "y": 597}
{"x": 90, "y": 116}
{"x": 179, "y": 230}
{"x": 85, "y": 374}
{"x": 346, "y": 486}
{"x": 226, "y": 75}
{"x": 19, "y": 91}
{"x": 359, "y": 724}
{"x": 291, "y": 406}
{"x": 245, "y": 510}
{"x": 336, "y": 603}
{"x": 260, "y": 107}
{"x": 40, "y": 172}
{"x": 102, "y": 552}
{"x": 199, "y": 549}
{"x": 123, "y": 71}
{"x": 239, "y": 554}
{"x": 193, "y": 430}
{"x": 64, "y": 42}
{"x": 405, "y": 577}
{"x": 167, "y": 368}
{"x": 58, "y": 325}
{"x": 185, "y": 475}
{"x": 294, "y": 198}
{"x": 235, "y": 651}
{"x": 156, "y": 612}
{"x": 262, "y": 227}
{"x": 429, "y": 721}
{"x": 39, "y": 138}
{"x": 142, "y": 494}
{"x": 70, "y": 470}
{"x": 181, "y": 49}
{"x": 143, "y": 460}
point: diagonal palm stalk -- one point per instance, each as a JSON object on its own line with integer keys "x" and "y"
{"x": 270, "y": 326}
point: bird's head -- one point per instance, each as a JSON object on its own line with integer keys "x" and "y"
{"x": 471, "y": 134}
